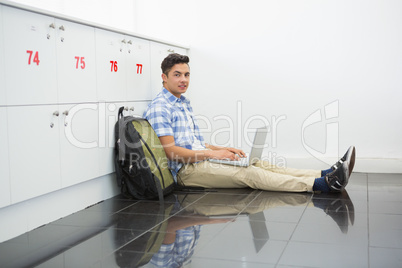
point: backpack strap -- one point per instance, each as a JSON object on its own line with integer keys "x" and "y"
{"x": 121, "y": 140}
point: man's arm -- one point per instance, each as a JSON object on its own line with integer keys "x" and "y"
{"x": 183, "y": 155}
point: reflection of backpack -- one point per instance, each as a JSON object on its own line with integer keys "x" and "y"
{"x": 140, "y": 161}
{"x": 139, "y": 251}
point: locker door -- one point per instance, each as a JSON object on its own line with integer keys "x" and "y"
{"x": 158, "y": 53}
{"x": 2, "y": 82}
{"x": 33, "y": 134}
{"x": 76, "y": 65}
{"x": 111, "y": 66}
{"x": 138, "y": 70}
{"x": 136, "y": 108}
{"x": 79, "y": 151}
{"x": 107, "y": 121}
{"x": 29, "y": 58}
{"x": 5, "y": 196}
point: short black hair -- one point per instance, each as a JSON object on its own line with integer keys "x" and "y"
{"x": 172, "y": 60}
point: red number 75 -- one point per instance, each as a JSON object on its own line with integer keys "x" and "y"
{"x": 80, "y": 59}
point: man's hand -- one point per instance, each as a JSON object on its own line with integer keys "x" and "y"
{"x": 239, "y": 152}
{"x": 224, "y": 153}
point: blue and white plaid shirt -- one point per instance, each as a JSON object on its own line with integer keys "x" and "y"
{"x": 167, "y": 116}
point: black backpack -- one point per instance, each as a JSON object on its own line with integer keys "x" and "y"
{"x": 140, "y": 161}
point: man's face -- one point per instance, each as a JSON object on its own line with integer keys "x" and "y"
{"x": 178, "y": 79}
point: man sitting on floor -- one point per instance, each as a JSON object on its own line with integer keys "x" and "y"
{"x": 172, "y": 118}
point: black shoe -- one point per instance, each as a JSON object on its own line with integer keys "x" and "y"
{"x": 338, "y": 179}
{"x": 349, "y": 157}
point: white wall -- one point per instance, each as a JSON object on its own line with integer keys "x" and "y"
{"x": 291, "y": 58}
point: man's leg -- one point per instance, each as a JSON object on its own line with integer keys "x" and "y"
{"x": 212, "y": 175}
{"x": 289, "y": 171}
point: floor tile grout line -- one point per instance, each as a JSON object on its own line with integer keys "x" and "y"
{"x": 294, "y": 230}
{"x": 257, "y": 195}
{"x": 120, "y": 210}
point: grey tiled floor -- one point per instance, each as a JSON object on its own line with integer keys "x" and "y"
{"x": 361, "y": 227}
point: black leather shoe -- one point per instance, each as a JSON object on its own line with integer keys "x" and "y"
{"x": 349, "y": 157}
{"x": 338, "y": 179}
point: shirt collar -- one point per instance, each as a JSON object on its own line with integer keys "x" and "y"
{"x": 172, "y": 99}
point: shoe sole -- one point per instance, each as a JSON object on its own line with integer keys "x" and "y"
{"x": 350, "y": 158}
{"x": 347, "y": 172}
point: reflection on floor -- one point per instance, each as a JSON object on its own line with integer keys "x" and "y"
{"x": 226, "y": 228}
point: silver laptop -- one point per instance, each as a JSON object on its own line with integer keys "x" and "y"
{"x": 255, "y": 154}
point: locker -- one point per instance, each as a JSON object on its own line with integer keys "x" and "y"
{"x": 107, "y": 121}
{"x": 76, "y": 64}
{"x": 135, "y": 108}
{"x": 5, "y": 195}
{"x": 111, "y": 65}
{"x": 34, "y": 152}
{"x": 2, "y": 82}
{"x": 109, "y": 118}
{"x": 138, "y": 70}
{"x": 79, "y": 151}
{"x": 30, "y": 61}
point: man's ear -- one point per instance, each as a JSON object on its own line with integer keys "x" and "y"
{"x": 164, "y": 77}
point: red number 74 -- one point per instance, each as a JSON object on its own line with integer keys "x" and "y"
{"x": 35, "y": 59}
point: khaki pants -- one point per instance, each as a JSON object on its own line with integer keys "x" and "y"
{"x": 261, "y": 175}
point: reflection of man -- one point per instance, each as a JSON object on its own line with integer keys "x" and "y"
{"x": 172, "y": 118}
{"x": 183, "y": 232}
{"x": 181, "y": 237}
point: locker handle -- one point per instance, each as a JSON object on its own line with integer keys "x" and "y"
{"x": 123, "y": 41}
{"x": 55, "y": 113}
{"x": 65, "y": 120}
{"x": 62, "y": 28}
{"x": 129, "y": 41}
{"x": 52, "y": 26}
